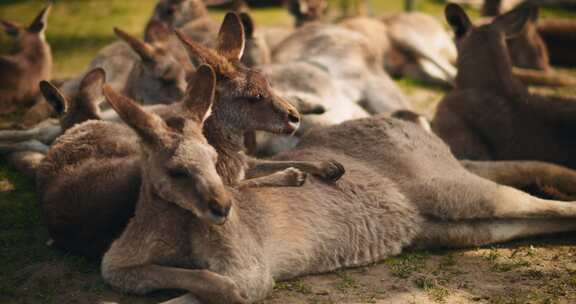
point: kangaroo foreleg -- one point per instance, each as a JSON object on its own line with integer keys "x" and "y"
{"x": 290, "y": 177}
{"x": 327, "y": 170}
{"x": 207, "y": 286}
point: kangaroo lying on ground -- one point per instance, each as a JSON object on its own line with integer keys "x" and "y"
{"x": 29, "y": 62}
{"x": 26, "y": 149}
{"x": 403, "y": 188}
{"x": 336, "y": 68}
{"x": 492, "y": 116}
{"x": 84, "y": 217}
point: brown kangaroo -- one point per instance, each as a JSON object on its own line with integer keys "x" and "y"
{"x": 403, "y": 188}
{"x": 492, "y": 116}
{"x": 152, "y": 71}
{"x": 26, "y": 149}
{"x": 100, "y": 211}
{"x": 29, "y": 62}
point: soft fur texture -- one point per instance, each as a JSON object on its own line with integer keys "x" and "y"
{"x": 403, "y": 188}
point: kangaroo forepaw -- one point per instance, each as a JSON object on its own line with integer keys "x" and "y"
{"x": 332, "y": 171}
{"x": 295, "y": 177}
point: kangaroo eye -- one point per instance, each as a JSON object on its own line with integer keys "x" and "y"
{"x": 178, "y": 173}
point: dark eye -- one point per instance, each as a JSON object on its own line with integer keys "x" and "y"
{"x": 178, "y": 173}
{"x": 254, "y": 98}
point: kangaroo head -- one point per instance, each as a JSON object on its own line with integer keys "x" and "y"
{"x": 483, "y": 57}
{"x": 305, "y": 11}
{"x": 178, "y": 164}
{"x": 244, "y": 100}
{"x": 257, "y": 52}
{"x": 176, "y": 13}
{"x": 25, "y": 36}
{"x": 161, "y": 76}
{"x": 82, "y": 106}
{"x": 528, "y": 49}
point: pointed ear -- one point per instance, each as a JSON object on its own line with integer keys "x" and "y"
{"x": 200, "y": 96}
{"x": 201, "y": 54}
{"x": 513, "y": 22}
{"x": 91, "y": 84}
{"x": 248, "y": 24}
{"x": 156, "y": 31}
{"x": 12, "y": 29}
{"x": 141, "y": 48}
{"x": 39, "y": 23}
{"x": 231, "y": 39}
{"x": 150, "y": 128}
{"x": 458, "y": 20}
{"x": 54, "y": 97}
{"x": 297, "y": 8}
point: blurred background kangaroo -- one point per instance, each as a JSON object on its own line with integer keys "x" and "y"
{"x": 29, "y": 62}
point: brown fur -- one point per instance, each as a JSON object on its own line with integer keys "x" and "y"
{"x": 29, "y": 62}
{"x": 490, "y": 115}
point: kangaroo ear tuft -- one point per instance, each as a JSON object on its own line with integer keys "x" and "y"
{"x": 151, "y": 129}
{"x": 91, "y": 84}
{"x": 200, "y": 54}
{"x": 513, "y": 22}
{"x": 39, "y": 23}
{"x": 54, "y": 97}
{"x": 201, "y": 92}
{"x": 156, "y": 31}
{"x": 231, "y": 39}
{"x": 141, "y": 48}
{"x": 458, "y": 20}
{"x": 12, "y": 29}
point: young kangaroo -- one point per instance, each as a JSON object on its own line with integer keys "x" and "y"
{"x": 492, "y": 116}
{"x": 29, "y": 62}
{"x": 26, "y": 149}
{"x": 403, "y": 189}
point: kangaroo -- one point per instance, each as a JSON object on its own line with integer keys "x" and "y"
{"x": 307, "y": 11}
{"x": 348, "y": 57}
{"x": 403, "y": 189}
{"x": 413, "y": 44}
{"x": 26, "y": 149}
{"x": 29, "y": 62}
{"x": 491, "y": 115}
{"x": 153, "y": 71}
{"x": 98, "y": 214}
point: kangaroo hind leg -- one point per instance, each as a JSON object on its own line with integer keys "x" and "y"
{"x": 484, "y": 232}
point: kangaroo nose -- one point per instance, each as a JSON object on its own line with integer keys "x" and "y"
{"x": 217, "y": 210}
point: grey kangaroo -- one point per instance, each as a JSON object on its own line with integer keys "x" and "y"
{"x": 403, "y": 189}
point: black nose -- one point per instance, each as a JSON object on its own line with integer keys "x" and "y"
{"x": 218, "y": 210}
{"x": 293, "y": 118}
